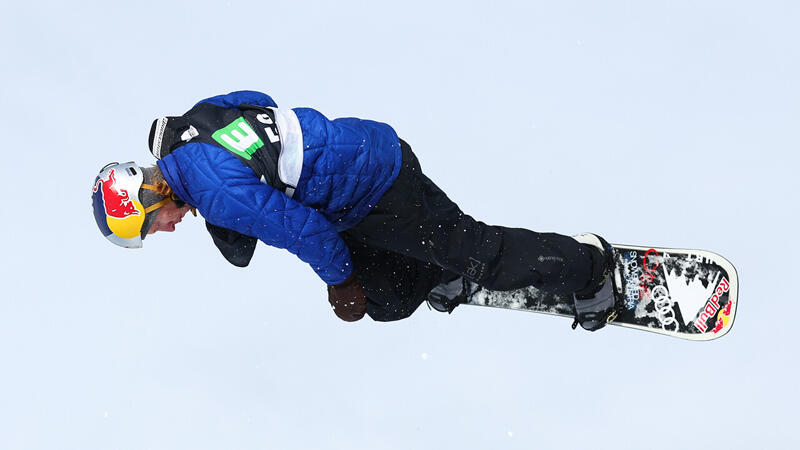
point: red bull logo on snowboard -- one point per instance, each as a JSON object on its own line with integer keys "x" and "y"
{"x": 724, "y": 318}
{"x": 124, "y": 215}
{"x": 712, "y": 306}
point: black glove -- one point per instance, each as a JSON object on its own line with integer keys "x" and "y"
{"x": 348, "y": 299}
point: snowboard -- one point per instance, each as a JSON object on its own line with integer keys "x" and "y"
{"x": 688, "y": 294}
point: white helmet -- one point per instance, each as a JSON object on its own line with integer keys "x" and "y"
{"x": 118, "y": 204}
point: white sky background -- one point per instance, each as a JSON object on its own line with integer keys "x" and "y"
{"x": 672, "y": 124}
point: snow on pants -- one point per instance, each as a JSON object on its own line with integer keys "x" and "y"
{"x": 416, "y": 237}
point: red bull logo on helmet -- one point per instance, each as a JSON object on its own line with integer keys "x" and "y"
{"x": 117, "y": 201}
{"x": 124, "y": 215}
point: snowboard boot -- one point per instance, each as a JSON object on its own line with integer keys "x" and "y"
{"x": 448, "y": 294}
{"x": 595, "y": 304}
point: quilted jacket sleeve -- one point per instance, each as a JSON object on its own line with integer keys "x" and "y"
{"x": 228, "y": 194}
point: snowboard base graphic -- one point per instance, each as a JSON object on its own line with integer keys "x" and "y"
{"x": 689, "y": 294}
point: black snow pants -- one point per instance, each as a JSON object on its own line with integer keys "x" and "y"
{"x": 416, "y": 237}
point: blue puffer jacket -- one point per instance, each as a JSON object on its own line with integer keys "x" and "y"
{"x": 347, "y": 165}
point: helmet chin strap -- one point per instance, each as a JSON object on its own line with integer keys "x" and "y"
{"x": 157, "y": 205}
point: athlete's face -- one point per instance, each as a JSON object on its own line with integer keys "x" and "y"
{"x": 168, "y": 216}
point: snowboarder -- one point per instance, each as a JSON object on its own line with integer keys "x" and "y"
{"x": 348, "y": 197}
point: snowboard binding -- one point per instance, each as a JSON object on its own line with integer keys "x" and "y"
{"x": 596, "y": 305}
{"x": 446, "y": 296}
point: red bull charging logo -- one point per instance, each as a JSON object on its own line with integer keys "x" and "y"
{"x": 724, "y": 317}
{"x": 117, "y": 201}
{"x": 124, "y": 215}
